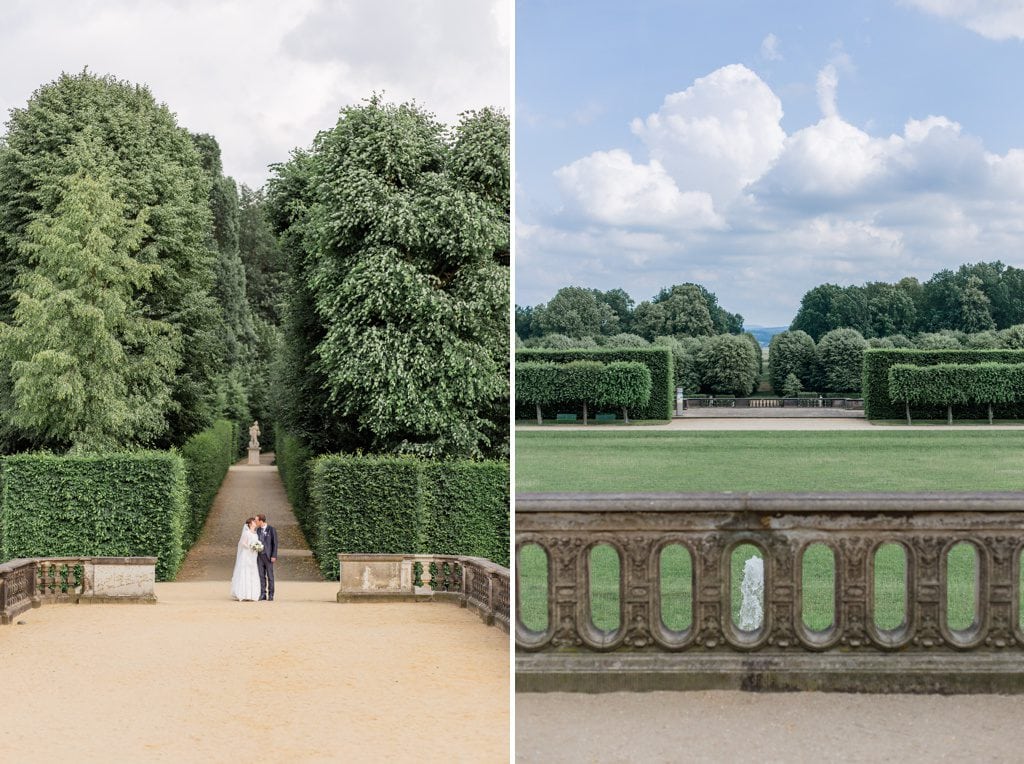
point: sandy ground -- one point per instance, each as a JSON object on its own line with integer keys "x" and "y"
{"x": 779, "y": 423}
{"x": 746, "y": 727}
{"x": 200, "y": 677}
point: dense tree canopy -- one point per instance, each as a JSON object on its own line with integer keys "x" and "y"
{"x": 682, "y": 310}
{"x": 150, "y": 168}
{"x": 396, "y": 233}
{"x": 974, "y": 298}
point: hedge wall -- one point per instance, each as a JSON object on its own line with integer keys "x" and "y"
{"x": 878, "y": 403}
{"x": 465, "y": 509}
{"x": 207, "y": 456}
{"x": 294, "y": 462}
{"x": 396, "y": 505}
{"x": 658, "y": 360}
{"x": 117, "y": 505}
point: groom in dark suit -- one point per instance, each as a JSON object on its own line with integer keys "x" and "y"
{"x": 265, "y": 560}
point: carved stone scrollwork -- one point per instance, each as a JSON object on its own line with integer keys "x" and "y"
{"x": 853, "y": 551}
{"x": 638, "y": 634}
{"x": 565, "y": 635}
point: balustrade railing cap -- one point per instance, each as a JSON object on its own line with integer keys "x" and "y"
{"x": 771, "y": 502}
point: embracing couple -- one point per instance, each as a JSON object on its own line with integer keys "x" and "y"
{"x": 253, "y": 578}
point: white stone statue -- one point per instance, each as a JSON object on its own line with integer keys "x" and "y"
{"x": 254, "y": 433}
{"x": 752, "y": 589}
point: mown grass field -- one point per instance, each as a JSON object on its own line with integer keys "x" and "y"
{"x": 763, "y": 461}
{"x": 612, "y": 461}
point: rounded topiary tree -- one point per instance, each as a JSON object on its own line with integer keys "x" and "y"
{"x": 624, "y": 384}
{"x": 537, "y": 383}
{"x": 579, "y": 382}
{"x": 841, "y": 353}
{"x": 728, "y": 365}
{"x": 790, "y": 352}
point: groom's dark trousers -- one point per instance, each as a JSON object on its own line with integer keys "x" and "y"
{"x": 267, "y": 537}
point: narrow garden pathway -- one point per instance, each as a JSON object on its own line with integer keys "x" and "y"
{"x": 248, "y": 491}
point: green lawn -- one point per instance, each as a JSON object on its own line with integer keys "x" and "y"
{"x": 614, "y": 460}
{"x": 763, "y": 461}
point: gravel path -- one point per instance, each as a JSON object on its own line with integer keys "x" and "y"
{"x": 197, "y": 677}
{"x": 248, "y": 491}
{"x": 771, "y": 423}
{"x": 783, "y": 727}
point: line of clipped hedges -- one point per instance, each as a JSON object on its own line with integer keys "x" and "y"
{"x": 401, "y": 505}
{"x": 116, "y": 505}
{"x": 959, "y": 383}
{"x": 616, "y": 385}
{"x": 657, "y": 360}
{"x": 207, "y": 456}
{"x": 137, "y": 504}
{"x": 878, "y": 403}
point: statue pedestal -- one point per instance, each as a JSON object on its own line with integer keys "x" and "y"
{"x": 254, "y": 456}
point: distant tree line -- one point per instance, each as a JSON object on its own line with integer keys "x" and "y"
{"x": 578, "y": 313}
{"x": 975, "y": 298}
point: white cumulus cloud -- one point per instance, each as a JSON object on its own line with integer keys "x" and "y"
{"x": 994, "y": 19}
{"x": 611, "y": 188}
{"x": 718, "y": 135}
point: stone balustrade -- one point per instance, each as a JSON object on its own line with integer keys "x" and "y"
{"x": 28, "y": 583}
{"x": 644, "y": 644}
{"x": 472, "y": 582}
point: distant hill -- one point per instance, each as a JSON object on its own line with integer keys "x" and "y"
{"x": 764, "y": 334}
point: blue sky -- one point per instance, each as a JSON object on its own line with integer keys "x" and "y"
{"x": 763, "y": 148}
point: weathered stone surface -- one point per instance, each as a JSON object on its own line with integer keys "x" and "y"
{"x": 123, "y": 581}
{"x": 391, "y": 574}
{"x": 853, "y": 654}
{"x": 471, "y": 582}
{"x": 254, "y": 457}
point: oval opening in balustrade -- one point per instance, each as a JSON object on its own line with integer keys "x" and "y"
{"x": 533, "y": 587}
{"x": 962, "y": 582}
{"x": 676, "y": 587}
{"x": 890, "y": 586}
{"x": 605, "y": 598}
{"x": 818, "y": 587}
{"x": 746, "y": 581}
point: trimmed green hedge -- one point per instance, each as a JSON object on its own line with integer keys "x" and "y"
{"x": 401, "y": 505}
{"x": 949, "y": 383}
{"x": 878, "y": 403}
{"x": 657, "y": 359}
{"x": 617, "y": 385}
{"x": 294, "y": 464}
{"x": 465, "y": 509}
{"x": 116, "y": 505}
{"x": 207, "y": 456}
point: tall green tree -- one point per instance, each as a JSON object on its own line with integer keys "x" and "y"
{"x": 576, "y": 312}
{"x": 790, "y": 352}
{"x": 90, "y": 371}
{"x": 149, "y": 163}
{"x": 401, "y": 303}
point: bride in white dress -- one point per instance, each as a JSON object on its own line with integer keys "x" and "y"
{"x": 245, "y": 581}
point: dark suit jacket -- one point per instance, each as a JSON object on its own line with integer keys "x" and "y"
{"x": 268, "y": 537}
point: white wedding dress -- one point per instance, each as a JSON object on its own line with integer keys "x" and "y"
{"x": 245, "y": 581}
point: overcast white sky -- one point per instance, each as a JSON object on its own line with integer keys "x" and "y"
{"x": 264, "y": 76}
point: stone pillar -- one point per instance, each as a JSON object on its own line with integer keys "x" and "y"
{"x": 254, "y": 456}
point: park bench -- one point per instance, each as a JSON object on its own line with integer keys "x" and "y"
{"x": 566, "y": 418}
{"x": 605, "y": 417}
